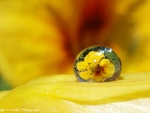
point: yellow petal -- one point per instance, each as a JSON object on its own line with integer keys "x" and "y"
{"x": 85, "y": 74}
{"x": 46, "y": 96}
{"x": 108, "y": 67}
{"x": 94, "y": 57}
{"x": 82, "y": 65}
{"x": 99, "y": 78}
{"x": 3, "y": 93}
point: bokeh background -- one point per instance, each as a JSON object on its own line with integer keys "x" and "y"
{"x": 43, "y": 37}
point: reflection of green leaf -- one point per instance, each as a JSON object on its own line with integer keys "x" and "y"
{"x": 111, "y": 55}
{"x": 115, "y": 59}
{"x": 4, "y": 85}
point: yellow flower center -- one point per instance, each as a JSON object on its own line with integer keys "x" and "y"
{"x": 96, "y": 70}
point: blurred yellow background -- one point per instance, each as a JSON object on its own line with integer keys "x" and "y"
{"x": 43, "y": 37}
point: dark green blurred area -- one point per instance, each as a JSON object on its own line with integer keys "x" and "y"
{"x": 4, "y": 85}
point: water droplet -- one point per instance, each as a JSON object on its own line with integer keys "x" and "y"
{"x": 97, "y": 63}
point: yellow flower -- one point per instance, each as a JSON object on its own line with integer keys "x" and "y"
{"x": 95, "y": 67}
{"x": 36, "y": 36}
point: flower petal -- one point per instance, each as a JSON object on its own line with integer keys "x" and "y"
{"x": 85, "y": 75}
{"x": 108, "y": 67}
{"x": 82, "y": 65}
{"x": 94, "y": 57}
{"x": 99, "y": 78}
